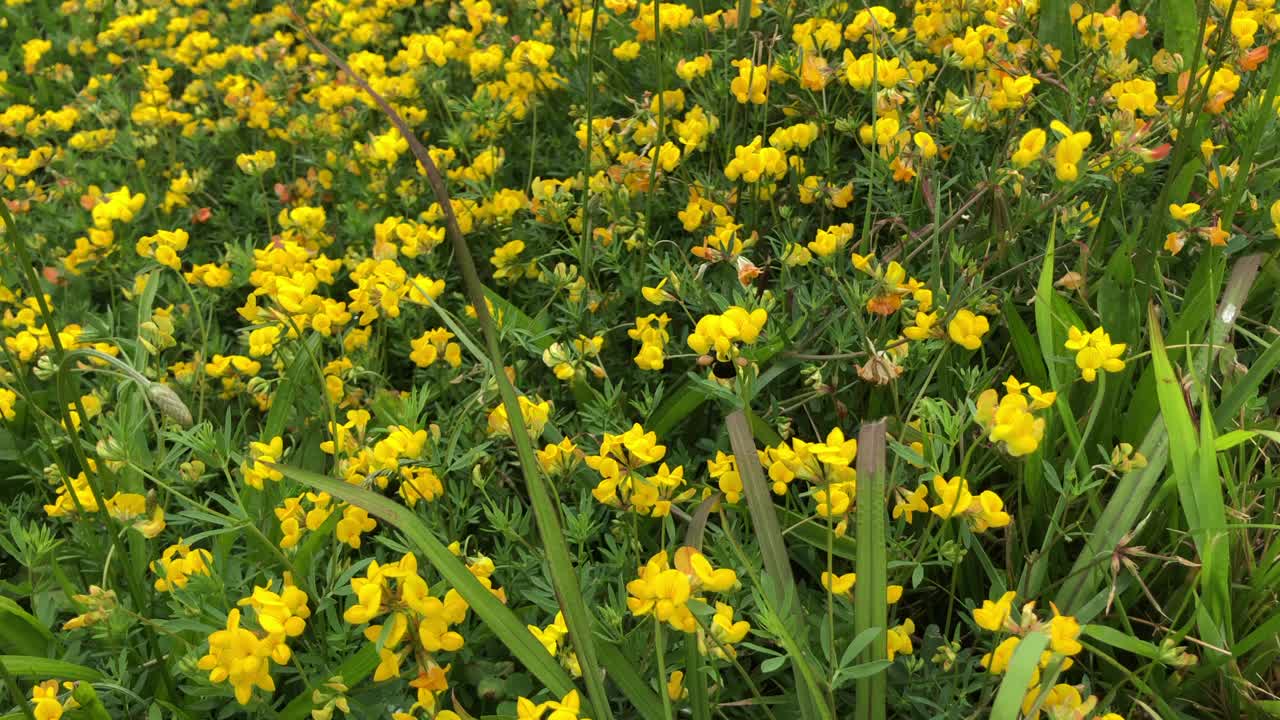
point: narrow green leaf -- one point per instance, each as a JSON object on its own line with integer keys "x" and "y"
{"x": 1177, "y": 19}
{"x": 1056, "y": 29}
{"x": 20, "y": 632}
{"x": 773, "y": 550}
{"x": 870, "y": 607}
{"x": 858, "y": 644}
{"x": 47, "y": 668}
{"x": 1025, "y": 661}
{"x": 299, "y": 381}
{"x": 862, "y": 670}
{"x": 816, "y": 534}
{"x": 1044, "y": 312}
{"x": 1235, "y": 438}
{"x": 500, "y": 620}
{"x": 1215, "y": 570}
{"x": 1245, "y": 388}
{"x": 1177, "y": 420}
{"x": 352, "y": 671}
{"x": 696, "y": 682}
{"x": 1117, "y": 639}
{"x": 634, "y": 687}
{"x": 1024, "y": 346}
{"x": 514, "y": 317}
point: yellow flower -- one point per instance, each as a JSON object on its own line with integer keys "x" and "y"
{"x": 1030, "y": 146}
{"x": 839, "y": 584}
{"x": 831, "y": 240}
{"x": 966, "y": 329}
{"x": 992, "y": 615}
{"x": 1183, "y": 212}
{"x": 506, "y": 263}
{"x": 924, "y": 141}
{"x": 239, "y": 656}
{"x": 725, "y": 630}
{"x": 536, "y": 415}
{"x": 724, "y": 470}
{"x": 1095, "y": 351}
{"x": 1064, "y": 633}
{"x": 899, "y": 639}
{"x": 1069, "y": 151}
{"x": 675, "y": 686}
{"x": 656, "y": 295}
{"x": 988, "y": 512}
{"x": 751, "y": 84}
{"x": 355, "y": 522}
{"x": 44, "y": 701}
{"x": 954, "y": 497}
{"x": 255, "y": 470}
{"x": 7, "y": 400}
{"x": 923, "y": 326}
{"x": 997, "y": 662}
{"x": 910, "y": 502}
{"x": 722, "y": 333}
{"x": 627, "y": 51}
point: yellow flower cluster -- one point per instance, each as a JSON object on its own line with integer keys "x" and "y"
{"x": 163, "y": 247}
{"x": 967, "y": 328}
{"x": 536, "y": 415}
{"x": 1094, "y": 351}
{"x": 45, "y": 704}
{"x": 417, "y": 625}
{"x": 554, "y": 638}
{"x": 827, "y": 465}
{"x": 241, "y": 656}
{"x": 177, "y": 564}
{"x": 982, "y": 511}
{"x": 568, "y": 707}
{"x": 294, "y": 517}
{"x": 623, "y": 486}
{"x": 1009, "y": 420}
{"x": 1062, "y": 700}
{"x": 665, "y": 592}
{"x": 576, "y": 359}
{"x": 255, "y": 469}
{"x": 651, "y": 332}
{"x": 433, "y": 345}
{"x": 722, "y": 334}
{"x": 752, "y": 162}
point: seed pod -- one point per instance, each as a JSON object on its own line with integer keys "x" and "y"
{"x": 171, "y": 406}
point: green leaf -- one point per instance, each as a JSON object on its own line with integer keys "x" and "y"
{"x": 773, "y": 664}
{"x": 1177, "y": 21}
{"x": 1117, "y": 639}
{"x": 858, "y": 644}
{"x": 515, "y": 318}
{"x": 353, "y": 670}
{"x": 1235, "y": 438}
{"x": 860, "y": 671}
{"x": 299, "y": 382}
{"x": 1056, "y": 28}
{"x": 815, "y": 533}
{"x": 1247, "y": 386}
{"x": 1024, "y": 346}
{"x": 870, "y": 606}
{"x": 496, "y": 616}
{"x": 47, "y": 668}
{"x": 1195, "y": 472}
{"x": 773, "y": 550}
{"x": 1025, "y": 661}
{"x": 20, "y": 632}
{"x": 623, "y": 673}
